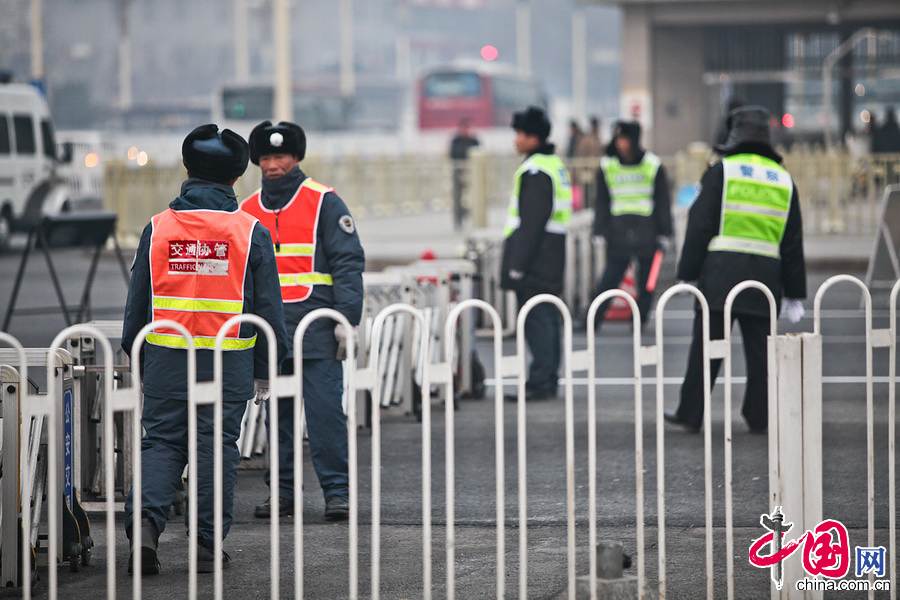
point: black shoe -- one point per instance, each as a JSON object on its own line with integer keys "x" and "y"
{"x": 337, "y": 508}
{"x": 149, "y": 545}
{"x": 264, "y": 510}
{"x": 529, "y": 397}
{"x": 206, "y": 562}
{"x": 673, "y": 418}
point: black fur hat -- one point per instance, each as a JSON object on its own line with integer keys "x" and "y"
{"x": 532, "y": 121}
{"x": 626, "y": 129}
{"x": 748, "y": 126}
{"x": 284, "y": 138}
{"x": 214, "y": 156}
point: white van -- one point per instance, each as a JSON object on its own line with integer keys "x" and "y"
{"x": 29, "y": 186}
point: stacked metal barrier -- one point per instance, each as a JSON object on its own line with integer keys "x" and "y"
{"x": 582, "y": 269}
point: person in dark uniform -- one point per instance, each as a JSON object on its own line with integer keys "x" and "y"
{"x": 634, "y": 214}
{"x": 460, "y": 145}
{"x": 199, "y": 263}
{"x": 744, "y": 224}
{"x": 534, "y": 250}
{"x": 320, "y": 265}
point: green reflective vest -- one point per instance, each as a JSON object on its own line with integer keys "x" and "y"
{"x": 756, "y": 199}
{"x": 553, "y": 166}
{"x": 630, "y": 186}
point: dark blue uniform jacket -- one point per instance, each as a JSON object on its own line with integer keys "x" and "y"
{"x": 338, "y": 252}
{"x": 165, "y": 369}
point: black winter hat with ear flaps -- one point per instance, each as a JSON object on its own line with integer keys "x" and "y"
{"x": 214, "y": 156}
{"x": 284, "y": 138}
{"x": 532, "y": 121}
{"x": 748, "y": 126}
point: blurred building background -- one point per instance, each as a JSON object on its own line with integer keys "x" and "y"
{"x": 683, "y": 61}
{"x": 182, "y": 53}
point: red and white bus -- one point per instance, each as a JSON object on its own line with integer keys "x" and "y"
{"x": 486, "y": 94}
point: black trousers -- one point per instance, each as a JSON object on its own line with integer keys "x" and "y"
{"x": 754, "y": 331}
{"x": 544, "y": 338}
{"x": 612, "y": 277}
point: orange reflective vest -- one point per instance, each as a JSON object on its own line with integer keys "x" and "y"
{"x": 293, "y": 230}
{"x": 198, "y": 263}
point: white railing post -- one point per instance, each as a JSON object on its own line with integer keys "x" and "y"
{"x": 369, "y": 379}
{"x": 892, "y": 442}
{"x": 660, "y": 436}
{"x": 873, "y": 339}
{"x": 349, "y": 393}
{"x": 130, "y": 400}
{"x": 726, "y": 348}
{"x": 639, "y": 358}
{"x": 570, "y": 441}
{"x": 211, "y": 393}
{"x": 443, "y": 375}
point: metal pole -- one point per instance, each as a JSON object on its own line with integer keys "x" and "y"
{"x": 281, "y": 15}
{"x": 348, "y": 75}
{"x": 37, "y": 42}
{"x": 241, "y": 42}
{"x": 124, "y": 57}
{"x": 523, "y": 36}
{"x": 579, "y": 62}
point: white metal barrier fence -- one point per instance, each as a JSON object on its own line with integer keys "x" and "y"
{"x": 440, "y": 373}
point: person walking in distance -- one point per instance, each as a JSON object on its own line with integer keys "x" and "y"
{"x": 744, "y": 224}
{"x": 634, "y": 214}
{"x": 320, "y": 264}
{"x": 199, "y": 263}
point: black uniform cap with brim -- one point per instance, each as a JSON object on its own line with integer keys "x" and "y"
{"x": 748, "y": 130}
{"x": 214, "y": 156}
{"x": 284, "y": 138}
{"x": 532, "y": 121}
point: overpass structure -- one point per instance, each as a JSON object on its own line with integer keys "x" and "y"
{"x": 683, "y": 60}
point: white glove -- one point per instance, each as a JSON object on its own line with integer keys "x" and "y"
{"x": 664, "y": 243}
{"x": 516, "y": 275}
{"x": 261, "y": 390}
{"x": 792, "y": 309}
{"x": 341, "y": 334}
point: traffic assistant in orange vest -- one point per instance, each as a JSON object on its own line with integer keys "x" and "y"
{"x": 320, "y": 264}
{"x": 199, "y": 263}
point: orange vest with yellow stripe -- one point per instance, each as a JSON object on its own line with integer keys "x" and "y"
{"x": 293, "y": 230}
{"x": 198, "y": 263}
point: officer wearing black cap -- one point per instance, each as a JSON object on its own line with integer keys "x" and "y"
{"x": 633, "y": 212}
{"x": 320, "y": 264}
{"x": 198, "y": 263}
{"x": 744, "y": 224}
{"x": 534, "y": 249}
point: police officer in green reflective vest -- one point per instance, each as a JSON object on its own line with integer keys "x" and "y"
{"x": 534, "y": 248}
{"x": 744, "y": 224}
{"x": 633, "y": 213}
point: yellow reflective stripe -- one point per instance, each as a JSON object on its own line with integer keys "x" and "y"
{"x": 722, "y": 243}
{"x": 198, "y": 304}
{"x": 288, "y": 279}
{"x": 178, "y": 341}
{"x": 315, "y": 185}
{"x": 296, "y": 249}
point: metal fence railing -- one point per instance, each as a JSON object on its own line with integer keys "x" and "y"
{"x": 796, "y": 382}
